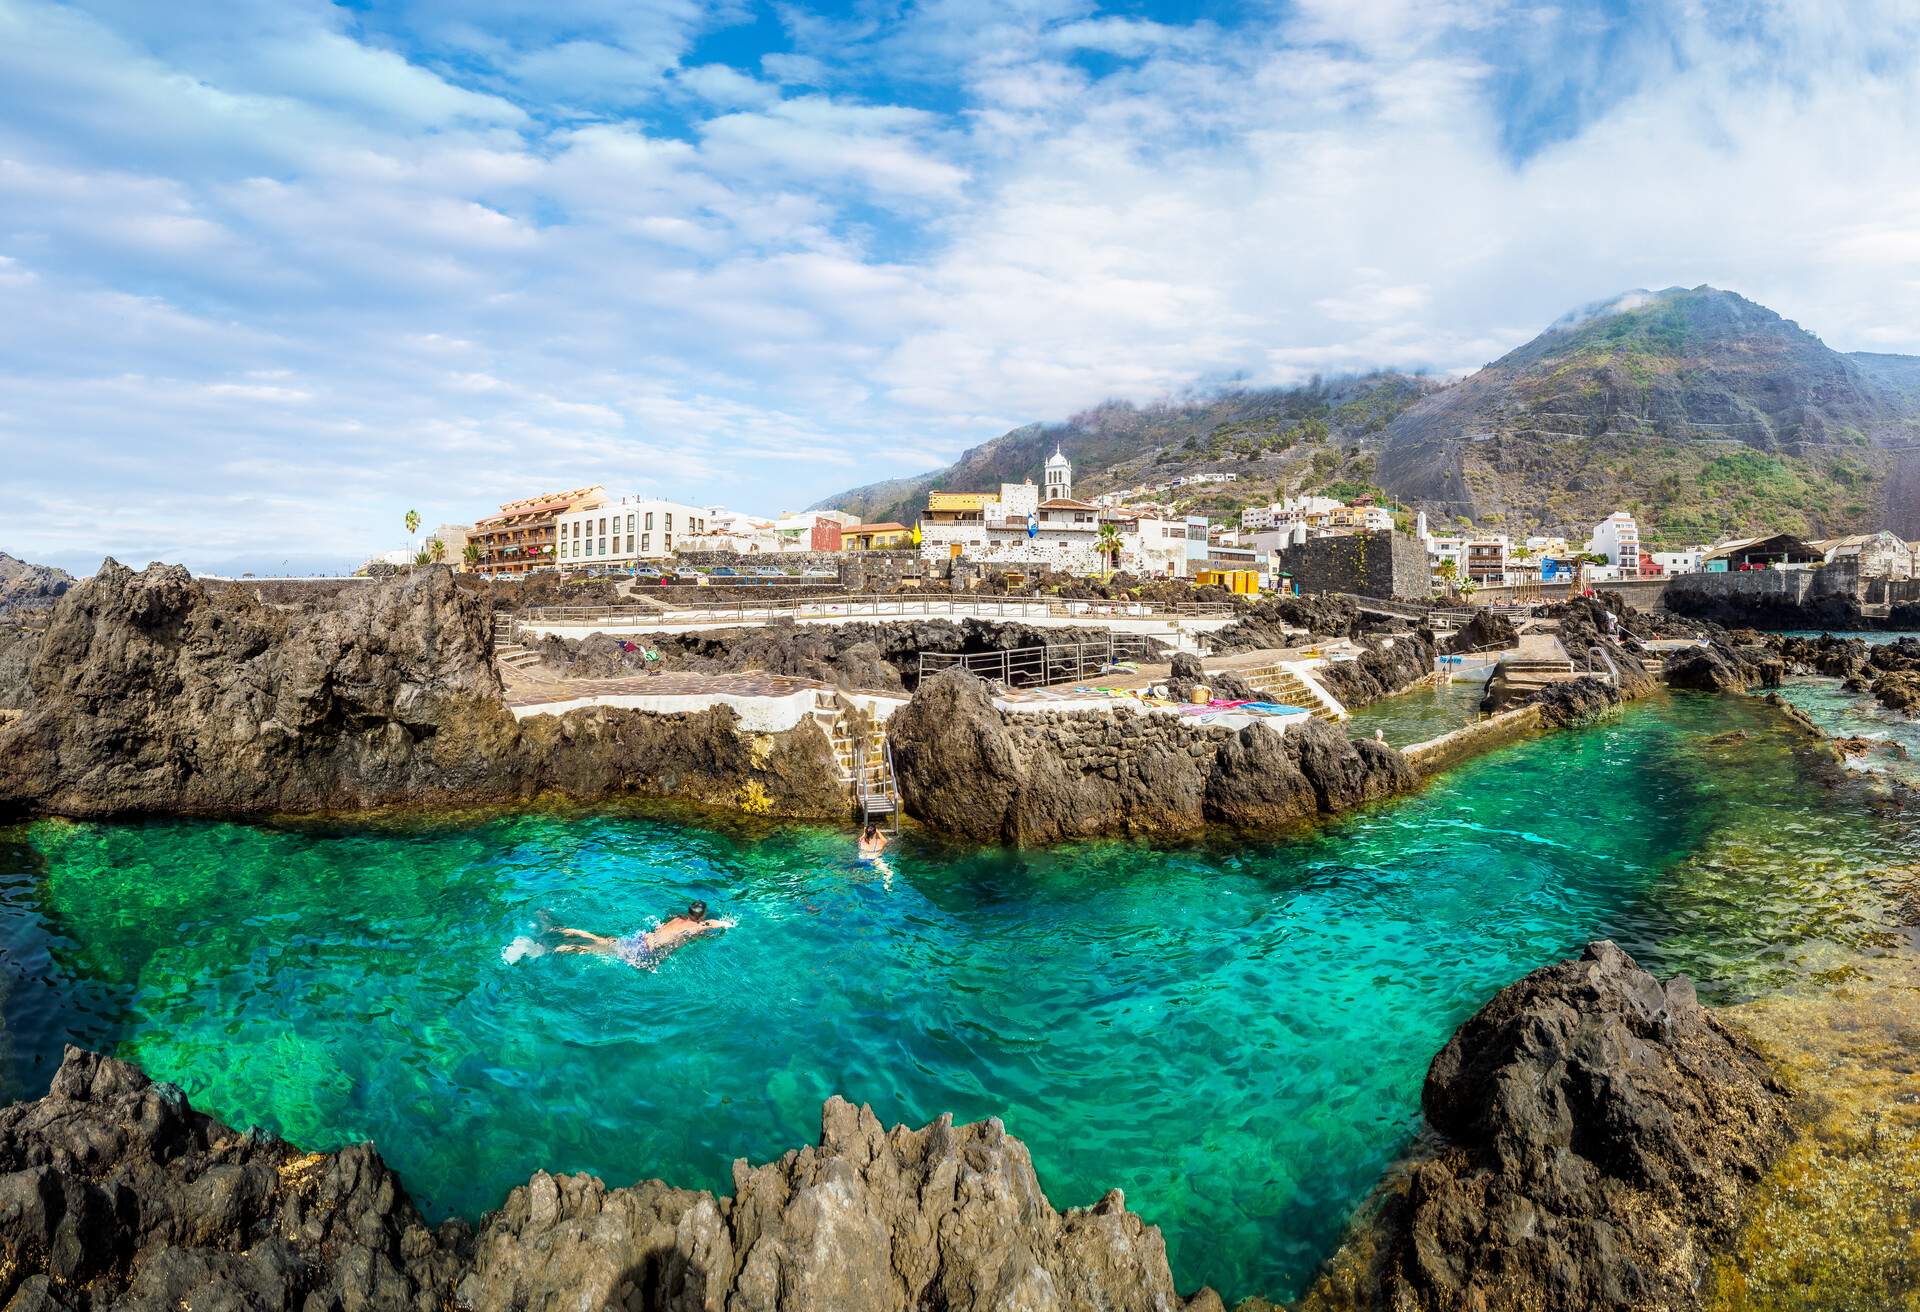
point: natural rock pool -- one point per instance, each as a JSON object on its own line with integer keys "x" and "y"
{"x": 1233, "y": 1033}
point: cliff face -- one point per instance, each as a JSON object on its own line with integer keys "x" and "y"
{"x": 1598, "y": 1130}
{"x": 148, "y": 693}
{"x": 115, "y": 1193}
{"x": 967, "y": 769}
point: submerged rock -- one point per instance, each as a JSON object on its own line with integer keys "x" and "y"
{"x": 115, "y": 1193}
{"x": 1598, "y": 1132}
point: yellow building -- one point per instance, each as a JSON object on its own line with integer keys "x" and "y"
{"x": 876, "y": 537}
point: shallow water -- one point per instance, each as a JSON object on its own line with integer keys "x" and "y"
{"x": 1420, "y": 714}
{"x": 1235, "y": 1034}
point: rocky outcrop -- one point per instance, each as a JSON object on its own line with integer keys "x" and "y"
{"x": 149, "y": 694}
{"x": 878, "y": 657}
{"x": 30, "y": 587}
{"x": 1384, "y": 667}
{"x": 1575, "y": 701}
{"x": 970, "y": 770}
{"x": 1597, "y": 1132}
{"x": 1721, "y": 668}
{"x": 1486, "y": 631}
{"x": 1276, "y": 622}
{"x": 114, "y": 1192}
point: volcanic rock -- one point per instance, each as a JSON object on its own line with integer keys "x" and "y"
{"x": 1486, "y": 631}
{"x": 1598, "y": 1132}
{"x": 147, "y": 693}
{"x": 969, "y": 769}
{"x": 115, "y": 1193}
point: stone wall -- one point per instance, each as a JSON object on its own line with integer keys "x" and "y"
{"x": 1382, "y": 564}
{"x": 1436, "y": 754}
{"x": 1770, "y": 598}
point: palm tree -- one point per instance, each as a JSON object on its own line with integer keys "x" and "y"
{"x": 436, "y": 550}
{"x": 423, "y": 557}
{"x": 413, "y": 525}
{"x": 1448, "y": 572}
{"x": 1108, "y": 544}
{"x": 471, "y": 553}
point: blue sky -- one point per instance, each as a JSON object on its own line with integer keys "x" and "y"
{"x": 273, "y": 271}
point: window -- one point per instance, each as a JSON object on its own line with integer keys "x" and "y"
{"x": 649, "y": 519}
{"x": 646, "y": 540}
{"x": 669, "y": 521}
{"x": 629, "y": 536}
{"x": 666, "y": 543}
{"x": 629, "y": 523}
{"x": 603, "y": 541}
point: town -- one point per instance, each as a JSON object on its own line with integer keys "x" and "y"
{"x": 1300, "y": 544}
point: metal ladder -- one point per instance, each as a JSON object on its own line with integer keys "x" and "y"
{"x": 874, "y": 788}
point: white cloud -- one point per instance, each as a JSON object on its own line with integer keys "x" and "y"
{"x": 286, "y": 275}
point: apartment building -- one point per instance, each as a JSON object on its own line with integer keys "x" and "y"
{"x": 522, "y": 536}
{"x": 625, "y": 530}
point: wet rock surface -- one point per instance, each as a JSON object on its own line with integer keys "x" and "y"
{"x": 149, "y": 693}
{"x": 1597, "y": 1134}
{"x": 115, "y": 1193}
{"x": 968, "y": 769}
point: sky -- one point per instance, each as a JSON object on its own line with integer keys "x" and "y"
{"x": 272, "y": 272}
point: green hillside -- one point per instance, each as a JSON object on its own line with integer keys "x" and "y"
{"x": 1276, "y": 441}
{"x": 1702, "y": 412}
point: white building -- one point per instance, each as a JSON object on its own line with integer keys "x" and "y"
{"x": 1291, "y": 510}
{"x": 1057, "y": 476}
{"x": 620, "y": 532}
{"x": 1879, "y": 555}
{"x": 1681, "y": 562}
{"x": 729, "y": 530}
{"x": 1617, "y": 537}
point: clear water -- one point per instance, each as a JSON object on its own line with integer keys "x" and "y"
{"x": 1421, "y": 714}
{"x": 1235, "y": 1034}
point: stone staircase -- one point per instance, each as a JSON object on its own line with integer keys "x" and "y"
{"x": 507, "y": 648}
{"x": 865, "y": 769}
{"x": 1278, "y": 683}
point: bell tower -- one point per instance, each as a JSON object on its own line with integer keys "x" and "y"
{"x": 1058, "y": 479}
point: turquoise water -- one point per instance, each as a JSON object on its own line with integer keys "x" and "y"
{"x": 1413, "y": 717}
{"x": 1233, "y": 1033}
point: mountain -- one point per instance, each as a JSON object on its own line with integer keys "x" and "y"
{"x": 1275, "y": 440}
{"x": 1700, "y": 411}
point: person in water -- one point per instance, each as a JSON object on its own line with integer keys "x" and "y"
{"x": 646, "y": 947}
{"x": 872, "y": 842}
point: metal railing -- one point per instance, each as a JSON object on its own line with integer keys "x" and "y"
{"x": 1039, "y": 667}
{"x": 879, "y": 606}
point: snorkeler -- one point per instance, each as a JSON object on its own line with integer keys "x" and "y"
{"x": 646, "y": 947}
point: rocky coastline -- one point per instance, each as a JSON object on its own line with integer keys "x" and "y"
{"x": 154, "y": 693}
{"x": 1593, "y": 1133}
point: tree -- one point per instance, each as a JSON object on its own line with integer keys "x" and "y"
{"x": 1108, "y": 544}
{"x": 423, "y": 557}
{"x": 471, "y": 553}
{"x": 413, "y": 525}
{"x": 1448, "y": 572}
{"x": 436, "y": 549}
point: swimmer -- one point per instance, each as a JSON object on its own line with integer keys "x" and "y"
{"x": 872, "y": 842}
{"x": 647, "y": 947}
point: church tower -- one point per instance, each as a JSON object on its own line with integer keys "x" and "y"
{"x": 1059, "y": 477}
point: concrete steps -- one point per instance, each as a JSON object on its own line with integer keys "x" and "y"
{"x": 1280, "y": 684}
{"x": 514, "y": 656}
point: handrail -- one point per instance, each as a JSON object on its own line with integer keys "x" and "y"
{"x": 880, "y": 605}
{"x": 1039, "y": 667}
